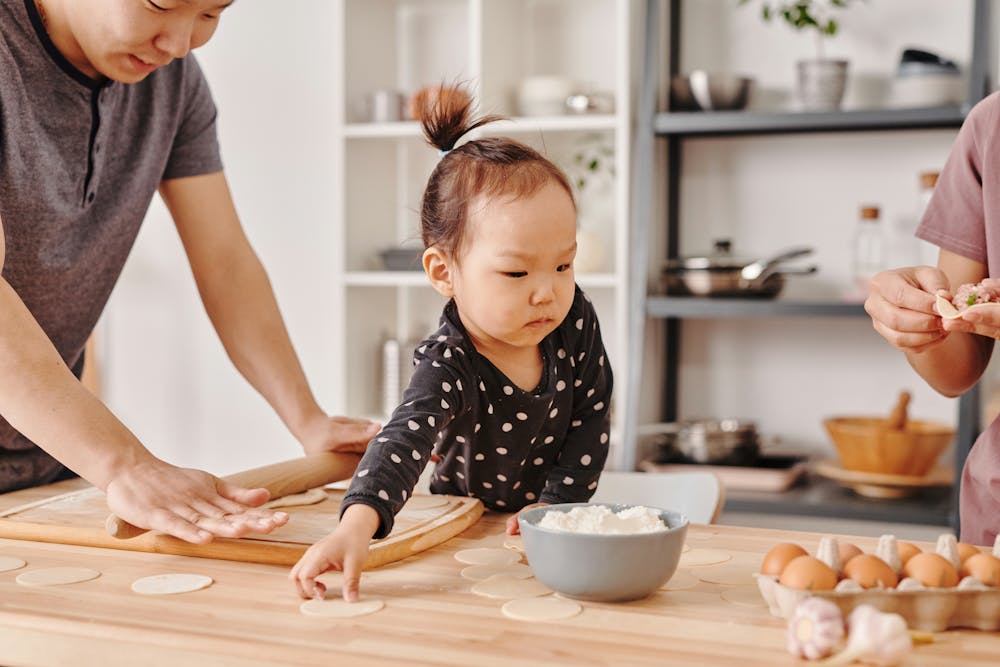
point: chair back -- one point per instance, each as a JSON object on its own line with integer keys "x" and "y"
{"x": 699, "y": 495}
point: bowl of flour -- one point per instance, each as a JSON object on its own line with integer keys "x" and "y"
{"x": 603, "y": 551}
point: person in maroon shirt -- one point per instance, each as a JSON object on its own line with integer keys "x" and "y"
{"x": 963, "y": 219}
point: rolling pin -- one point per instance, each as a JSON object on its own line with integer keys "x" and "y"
{"x": 280, "y": 479}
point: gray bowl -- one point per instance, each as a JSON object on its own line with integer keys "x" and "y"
{"x": 604, "y": 568}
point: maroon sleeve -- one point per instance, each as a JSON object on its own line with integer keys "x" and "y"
{"x": 955, "y": 219}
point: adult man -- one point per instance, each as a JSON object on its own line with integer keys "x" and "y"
{"x": 101, "y": 105}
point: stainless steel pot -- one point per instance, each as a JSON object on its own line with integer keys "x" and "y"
{"x": 724, "y": 275}
{"x": 707, "y": 441}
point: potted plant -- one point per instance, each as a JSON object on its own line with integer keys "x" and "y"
{"x": 592, "y": 174}
{"x": 821, "y": 81}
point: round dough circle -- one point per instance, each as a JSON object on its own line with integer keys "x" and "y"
{"x": 487, "y": 556}
{"x": 681, "y": 579}
{"x": 169, "y": 584}
{"x": 57, "y": 576}
{"x": 506, "y": 587}
{"x": 744, "y": 595}
{"x": 540, "y": 609}
{"x": 310, "y": 497}
{"x": 513, "y": 570}
{"x": 417, "y": 503}
{"x": 8, "y": 563}
{"x": 337, "y": 608}
{"x": 703, "y": 557}
{"x": 514, "y": 542}
{"x": 727, "y": 575}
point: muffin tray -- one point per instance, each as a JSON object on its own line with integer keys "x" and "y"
{"x": 931, "y": 610}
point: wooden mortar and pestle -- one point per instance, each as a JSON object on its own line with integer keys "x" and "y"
{"x": 895, "y": 445}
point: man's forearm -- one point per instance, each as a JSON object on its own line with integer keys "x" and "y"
{"x": 240, "y": 302}
{"x": 43, "y": 400}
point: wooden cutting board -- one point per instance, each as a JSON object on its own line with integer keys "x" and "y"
{"x": 78, "y": 517}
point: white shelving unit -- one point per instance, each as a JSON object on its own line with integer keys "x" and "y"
{"x": 382, "y": 168}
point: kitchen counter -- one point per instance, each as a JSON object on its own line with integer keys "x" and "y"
{"x": 821, "y": 497}
{"x": 250, "y": 615}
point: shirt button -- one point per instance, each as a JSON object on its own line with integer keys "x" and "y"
{"x": 90, "y": 197}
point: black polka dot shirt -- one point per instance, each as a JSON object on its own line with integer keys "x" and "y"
{"x": 496, "y": 442}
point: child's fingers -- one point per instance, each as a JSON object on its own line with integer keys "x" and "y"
{"x": 352, "y": 578}
{"x": 512, "y": 526}
{"x": 304, "y": 574}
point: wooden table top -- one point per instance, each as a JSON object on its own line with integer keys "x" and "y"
{"x": 250, "y": 615}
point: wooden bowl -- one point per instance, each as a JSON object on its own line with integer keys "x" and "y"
{"x": 869, "y": 445}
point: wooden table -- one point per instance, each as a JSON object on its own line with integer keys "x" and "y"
{"x": 250, "y": 615}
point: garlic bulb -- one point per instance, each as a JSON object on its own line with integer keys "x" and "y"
{"x": 875, "y": 638}
{"x": 828, "y": 551}
{"x": 883, "y": 639}
{"x": 816, "y": 629}
{"x": 947, "y": 547}
{"x": 888, "y": 551}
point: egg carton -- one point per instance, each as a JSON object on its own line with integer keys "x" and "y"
{"x": 970, "y": 605}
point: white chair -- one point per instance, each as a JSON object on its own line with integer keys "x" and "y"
{"x": 698, "y": 495}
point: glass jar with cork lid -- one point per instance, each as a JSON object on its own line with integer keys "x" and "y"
{"x": 867, "y": 249}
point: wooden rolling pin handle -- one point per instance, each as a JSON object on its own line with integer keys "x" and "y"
{"x": 280, "y": 479}
{"x": 897, "y": 418}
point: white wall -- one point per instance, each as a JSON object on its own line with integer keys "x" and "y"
{"x": 772, "y": 192}
{"x": 165, "y": 373}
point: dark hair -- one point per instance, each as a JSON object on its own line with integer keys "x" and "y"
{"x": 490, "y": 166}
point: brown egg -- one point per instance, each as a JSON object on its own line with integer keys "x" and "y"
{"x": 871, "y": 572}
{"x": 931, "y": 570}
{"x": 808, "y": 574}
{"x": 965, "y": 551}
{"x": 907, "y": 551}
{"x": 778, "y": 557}
{"x": 848, "y": 551}
{"x": 984, "y": 567}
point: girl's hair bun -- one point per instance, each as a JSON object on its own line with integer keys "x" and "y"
{"x": 445, "y": 114}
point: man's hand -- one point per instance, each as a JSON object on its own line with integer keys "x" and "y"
{"x": 337, "y": 434}
{"x": 189, "y": 504}
{"x": 345, "y": 549}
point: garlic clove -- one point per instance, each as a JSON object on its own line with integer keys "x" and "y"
{"x": 947, "y": 547}
{"x": 888, "y": 551}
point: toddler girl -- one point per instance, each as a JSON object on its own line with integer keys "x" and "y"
{"x": 511, "y": 393}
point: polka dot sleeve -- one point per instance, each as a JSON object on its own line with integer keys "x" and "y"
{"x": 581, "y": 458}
{"x": 396, "y": 456}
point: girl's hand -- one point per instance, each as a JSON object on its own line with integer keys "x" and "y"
{"x": 345, "y": 549}
{"x": 512, "y": 527}
{"x": 901, "y": 305}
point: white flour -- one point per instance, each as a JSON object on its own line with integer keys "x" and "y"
{"x": 601, "y": 520}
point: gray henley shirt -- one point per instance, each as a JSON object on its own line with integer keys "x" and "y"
{"x": 80, "y": 161}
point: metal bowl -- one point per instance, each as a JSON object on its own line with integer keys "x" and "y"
{"x": 703, "y": 91}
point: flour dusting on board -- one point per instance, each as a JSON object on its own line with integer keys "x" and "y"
{"x": 599, "y": 519}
